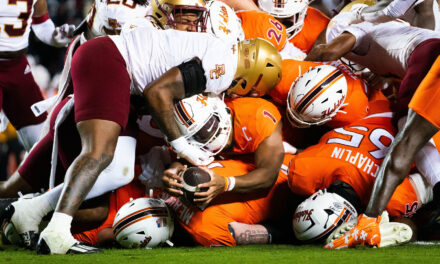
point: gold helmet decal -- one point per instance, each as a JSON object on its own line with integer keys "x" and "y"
{"x": 258, "y": 67}
{"x": 168, "y": 13}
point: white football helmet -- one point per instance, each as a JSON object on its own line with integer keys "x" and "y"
{"x": 317, "y": 216}
{"x": 295, "y": 10}
{"x": 143, "y": 223}
{"x": 205, "y": 121}
{"x": 316, "y": 96}
{"x": 107, "y": 19}
{"x": 223, "y": 22}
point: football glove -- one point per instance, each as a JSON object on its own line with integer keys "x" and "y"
{"x": 190, "y": 152}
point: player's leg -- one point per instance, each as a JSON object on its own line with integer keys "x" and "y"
{"x": 422, "y": 124}
{"x": 102, "y": 101}
{"x": 17, "y": 104}
{"x": 414, "y": 135}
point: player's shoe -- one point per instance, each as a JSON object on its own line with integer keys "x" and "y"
{"x": 25, "y": 221}
{"x": 345, "y": 227}
{"x": 372, "y": 232}
{"x": 58, "y": 242}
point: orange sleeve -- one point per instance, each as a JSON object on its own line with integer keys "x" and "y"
{"x": 291, "y": 69}
{"x": 355, "y": 106}
{"x": 258, "y": 24}
{"x": 254, "y": 120}
{"x": 314, "y": 23}
{"x": 425, "y": 100}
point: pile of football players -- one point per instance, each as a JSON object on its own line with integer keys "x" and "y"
{"x": 316, "y": 123}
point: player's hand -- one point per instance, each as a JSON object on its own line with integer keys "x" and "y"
{"x": 191, "y": 153}
{"x": 215, "y": 187}
{"x": 62, "y": 35}
{"x": 366, "y": 232}
{"x": 172, "y": 180}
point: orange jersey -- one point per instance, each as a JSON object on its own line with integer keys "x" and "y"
{"x": 425, "y": 100}
{"x": 258, "y": 24}
{"x": 314, "y": 23}
{"x": 352, "y": 154}
{"x": 210, "y": 226}
{"x": 254, "y": 119}
{"x": 355, "y": 105}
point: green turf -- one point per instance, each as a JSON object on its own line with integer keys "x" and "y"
{"x": 412, "y": 254}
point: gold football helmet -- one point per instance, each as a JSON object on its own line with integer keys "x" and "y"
{"x": 165, "y": 11}
{"x": 258, "y": 67}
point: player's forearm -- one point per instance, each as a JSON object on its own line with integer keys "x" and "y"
{"x": 334, "y": 50}
{"x": 258, "y": 179}
{"x": 160, "y": 96}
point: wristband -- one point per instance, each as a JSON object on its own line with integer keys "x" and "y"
{"x": 229, "y": 183}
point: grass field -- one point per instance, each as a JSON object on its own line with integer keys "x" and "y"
{"x": 410, "y": 253}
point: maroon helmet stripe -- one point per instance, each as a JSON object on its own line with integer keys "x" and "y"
{"x": 316, "y": 91}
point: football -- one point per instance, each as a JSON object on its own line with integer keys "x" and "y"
{"x": 192, "y": 177}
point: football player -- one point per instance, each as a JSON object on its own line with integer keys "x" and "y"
{"x": 352, "y": 156}
{"x": 253, "y": 127}
{"x": 103, "y": 18}
{"x": 16, "y": 21}
{"x": 305, "y": 25}
{"x": 421, "y": 125}
{"x": 223, "y": 22}
{"x": 406, "y": 58}
{"x": 61, "y": 145}
{"x": 183, "y": 15}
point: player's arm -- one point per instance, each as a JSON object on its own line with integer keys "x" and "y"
{"x": 268, "y": 159}
{"x": 334, "y": 50}
{"x": 45, "y": 29}
{"x": 241, "y": 4}
{"x": 179, "y": 82}
{"x": 384, "y": 12}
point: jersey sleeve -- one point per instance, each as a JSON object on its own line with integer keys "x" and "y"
{"x": 291, "y": 69}
{"x": 220, "y": 64}
{"x": 258, "y": 24}
{"x": 341, "y": 23}
{"x": 314, "y": 23}
{"x": 254, "y": 120}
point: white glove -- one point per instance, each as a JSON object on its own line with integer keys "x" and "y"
{"x": 191, "y": 153}
{"x": 62, "y": 35}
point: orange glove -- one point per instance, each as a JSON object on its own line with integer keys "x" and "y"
{"x": 366, "y": 232}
